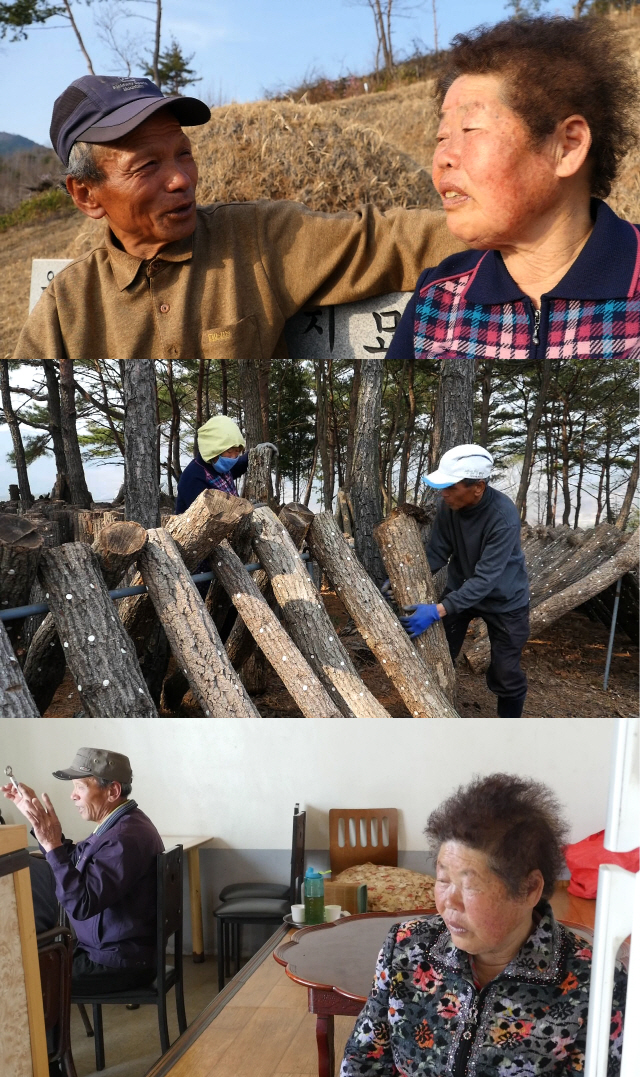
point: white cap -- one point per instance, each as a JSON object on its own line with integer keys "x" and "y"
{"x": 461, "y": 462}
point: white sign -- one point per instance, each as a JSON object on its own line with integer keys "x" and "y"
{"x": 43, "y": 270}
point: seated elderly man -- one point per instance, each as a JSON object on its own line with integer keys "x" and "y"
{"x": 494, "y": 985}
{"x": 106, "y": 883}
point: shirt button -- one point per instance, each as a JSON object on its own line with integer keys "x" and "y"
{"x": 164, "y": 308}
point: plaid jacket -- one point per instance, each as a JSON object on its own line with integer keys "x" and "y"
{"x": 425, "y": 1017}
{"x": 470, "y": 304}
{"x": 198, "y": 476}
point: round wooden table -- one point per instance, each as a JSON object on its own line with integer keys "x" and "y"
{"x": 336, "y": 963}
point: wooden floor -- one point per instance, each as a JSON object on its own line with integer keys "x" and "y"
{"x": 265, "y": 1030}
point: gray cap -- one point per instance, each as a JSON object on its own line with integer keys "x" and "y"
{"x": 97, "y": 763}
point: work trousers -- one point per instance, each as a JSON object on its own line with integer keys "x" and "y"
{"x": 508, "y": 633}
{"x": 90, "y": 978}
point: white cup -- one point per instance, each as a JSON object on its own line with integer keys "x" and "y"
{"x": 332, "y": 912}
{"x": 297, "y": 914}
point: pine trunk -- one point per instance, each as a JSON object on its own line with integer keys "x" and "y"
{"x": 257, "y": 484}
{"x": 11, "y": 419}
{"x": 364, "y": 488}
{"x": 142, "y": 487}
{"x": 192, "y": 635}
{"x": 378, "y": 626}
{"x": 307, "y": 620}
{"x": 79, "y": 492}
{"x": 453, "y": 418}
{"x": 97, "y": 649}
{"x": 412, "y": 582}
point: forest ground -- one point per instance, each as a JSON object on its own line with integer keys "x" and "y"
{"x": 564, "y": 665}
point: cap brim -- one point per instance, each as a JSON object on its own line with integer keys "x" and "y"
{"x": 71, "y": 774}
{"x": 438, "y": 481}
{"x": 189, "y": 111}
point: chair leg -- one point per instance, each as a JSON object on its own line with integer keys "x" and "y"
{"x": 228, "y": 948}
{"x": 68, "y": 1066}
{"x": 165, "y": 1042}
{"x": 220, "y": 955}
{"x": 180, "y": 1010}
{"x": 237, "y": 945}
{"x": 99, "y": 1035}
{"x": 85, "y": 1019}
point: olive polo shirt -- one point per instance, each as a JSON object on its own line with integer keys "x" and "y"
{"x": 225, "y": 292}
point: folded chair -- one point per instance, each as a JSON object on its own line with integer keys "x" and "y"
{"x": 257, "y": 903}
{"x": 55, "y": 958}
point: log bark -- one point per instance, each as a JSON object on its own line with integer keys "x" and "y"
{"x": 378, "y": 626}
{"x": 13, "y": 423}
{"x": 240, "y": 644}
{"x": 406, "y": 563}
{"x": 257, "y": 484}
{"x": 21, "y": 546}
{"x": 142, "y": 482}
{"x": 192, "y": 634}
{"x": 272, "y": 639}
{"x": 478, "y": 655}
{"x": 627, "y": 503}
{"x": 116, "y": 548}
{"x": 576, "y": 561}
{"x": 364, "y": 488}
{"x": 16, "y": 701}
{"x": 212, "y": 517}
{"x": 345, "y": 514}
{"x": 98, "y": 651}
{"x": 307, "y": 620}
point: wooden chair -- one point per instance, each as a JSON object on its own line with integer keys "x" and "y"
{"x": 257, "y": 903}
{"x": 169, "y": 925}
{"x": 362, "y": 836}
{"x": 55, "y": 957}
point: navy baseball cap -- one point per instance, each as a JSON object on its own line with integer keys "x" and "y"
{"x": 101, "y": 108}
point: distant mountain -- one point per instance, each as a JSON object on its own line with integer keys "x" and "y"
{"x": 13, "y": 143}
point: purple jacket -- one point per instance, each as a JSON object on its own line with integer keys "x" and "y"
{"x": 107, "y": 885}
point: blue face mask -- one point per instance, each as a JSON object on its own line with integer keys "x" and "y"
{"x": 224, "y": 464}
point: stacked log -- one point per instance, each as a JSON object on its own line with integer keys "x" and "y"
{"x": 116, "y": 548}
{"x": 21, "y": 546}
{"x": 551, "y": 609}
{"x": 15, "y": 698}
{"x": 98, "y": 651}
{"x": 377, "y": 624}
{"x": 405, "y": 560}
{"x": 191, "y": 633}
{"x": 307, "y": 620}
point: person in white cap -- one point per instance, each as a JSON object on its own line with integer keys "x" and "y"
{"x": 477, "y": 533}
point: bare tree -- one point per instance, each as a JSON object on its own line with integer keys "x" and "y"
{"x": 383, "y": 12}
{"x": 434, "y": 9}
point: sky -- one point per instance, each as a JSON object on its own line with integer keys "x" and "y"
{"x": 241, "y": 47}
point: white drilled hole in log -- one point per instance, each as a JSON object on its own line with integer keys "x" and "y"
{"x": 68, "y": 597}
{"x": 91, "y": 639}
{"x": 65, "y": 644}
{"x": 105, "y": 684}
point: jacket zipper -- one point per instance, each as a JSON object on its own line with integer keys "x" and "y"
{"x": 468, "y": 1037}
{"x": 536, "y": 326}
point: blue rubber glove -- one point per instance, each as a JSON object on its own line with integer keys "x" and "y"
{"x": 422, "y": 617}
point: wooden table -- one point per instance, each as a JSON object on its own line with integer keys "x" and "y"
{"x": 191, "y": 846}
{"x": 336, "y": 962}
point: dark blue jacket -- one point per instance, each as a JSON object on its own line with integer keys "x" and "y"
{"x": 107, "y": 885}
{"x": 198, "y": 476}
{"x": 487, "y": 569}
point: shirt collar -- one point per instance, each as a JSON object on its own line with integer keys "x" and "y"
{"x": 540, "y": 958}
{"x": 606, "y": 268}
{"x": 127, "y": 266}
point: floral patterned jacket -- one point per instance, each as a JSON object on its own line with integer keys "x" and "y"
{"x": 425, "y": 1016}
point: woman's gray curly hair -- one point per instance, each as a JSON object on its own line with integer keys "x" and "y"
{"x": 84, "y": 163}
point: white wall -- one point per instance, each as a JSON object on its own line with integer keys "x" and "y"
{"x": 239, "y": 780}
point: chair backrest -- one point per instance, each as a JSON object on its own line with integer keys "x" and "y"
{"x": 169, "y": 907}
{"x": 362, "y": 836}
{"x": 55, "y": 958}
{"x": 297, "y": 855}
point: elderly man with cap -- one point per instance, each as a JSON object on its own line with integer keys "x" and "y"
{"x": 106, "y": 883}
{"x": 477, "y": 533}
{"x": 169, "y": 281}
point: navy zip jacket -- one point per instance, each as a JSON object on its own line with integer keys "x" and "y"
{"x": 487, "y": 569}
{"x": 107, "y": 885}
{"x": 199, "y": 475}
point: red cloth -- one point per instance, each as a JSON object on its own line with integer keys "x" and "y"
{"x": 585, "y": 857}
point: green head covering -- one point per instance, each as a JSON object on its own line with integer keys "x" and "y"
{"x": 217, "y": 435}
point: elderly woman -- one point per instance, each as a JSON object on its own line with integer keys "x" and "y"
{"x": 494, "y": 986}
